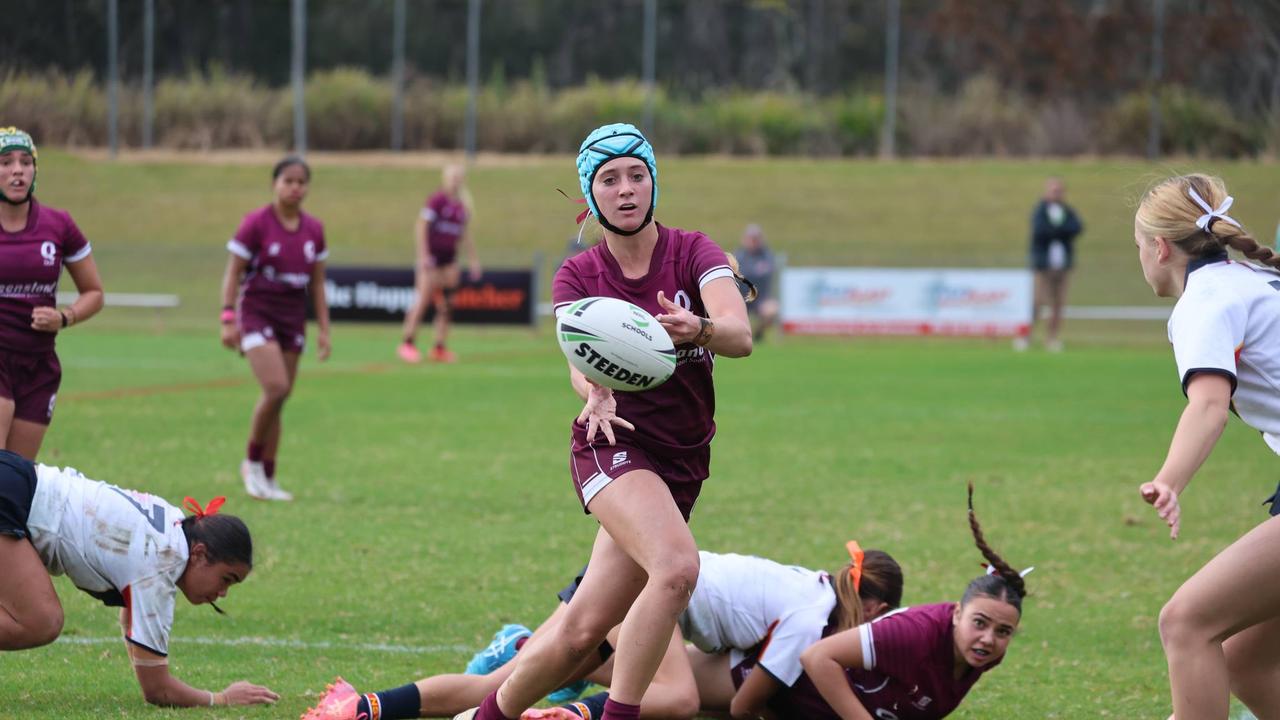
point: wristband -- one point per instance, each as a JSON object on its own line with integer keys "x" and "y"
{"x": 210, "y": 698}
{"x": 64, "y": 318}
{"x": 228, "y": 316}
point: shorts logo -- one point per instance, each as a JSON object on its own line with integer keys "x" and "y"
{"x": 52, "y": 400}
{"x": 619, "y": 458}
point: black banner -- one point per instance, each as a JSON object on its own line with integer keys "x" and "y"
{"x": 374, "y": 294}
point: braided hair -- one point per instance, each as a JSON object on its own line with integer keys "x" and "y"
{"x": 1168, "y": 210}
{"x": 1005, "y": 583}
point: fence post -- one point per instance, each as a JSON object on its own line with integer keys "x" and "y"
{"x": 298, "y": 71}
{"x": 397, "y": 77}
{"x": 148, "y": 71}
{"x": 888, "y": 130}
{"x": 113, "y": 77}
{"x": 473, "y": 76}
{"x": 650, "y": 60}
{"x": 1157, "y": 70}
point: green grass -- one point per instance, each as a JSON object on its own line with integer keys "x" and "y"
{"x": 434, "y": 502}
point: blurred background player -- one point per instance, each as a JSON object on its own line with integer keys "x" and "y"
{"x": 758, "y": 266}
{"x": 441, "y": 229}
{"x": 1054, "y": 227}
{"x": 36, "y": 241}
{"x": 126, "y": 548}
{"x": 1221, "y": 629}
{"x": 645, "y": 562}
{"x": 915, "y": 663}
{"x": 278, "y": 252}
{"x": 746, "y": 611}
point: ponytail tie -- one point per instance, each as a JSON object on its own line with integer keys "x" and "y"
{"x": 855, "y": 569}
{"x": 991, "y": 570}
{"x": 1210, "y": 214}
{"x": 210, "y": 509}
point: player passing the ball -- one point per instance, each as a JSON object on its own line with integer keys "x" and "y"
{"x": 637, "y": 459}
{"x": 36, "y": 241}
{"x": 1221, "y": 629}
{"x": 917, "y": 663}
{"x": 275, "y": 255}
{"x": 126, "y": 548}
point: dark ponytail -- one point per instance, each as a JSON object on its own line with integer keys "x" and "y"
{"x": 225, "y": 537}
{"x": 1005, "y": 584}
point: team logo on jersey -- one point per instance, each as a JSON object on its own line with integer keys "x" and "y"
{"x": 619, "y": 458}
{"x": 49, "y": 252}
{"x": 682, "y": 299}
{"x": 273, "y": 249}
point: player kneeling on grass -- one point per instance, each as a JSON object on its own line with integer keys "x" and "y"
{"x": 1220, "y": 629}
{"x": 126, "y": 548}
{"x": 916, "y": 663}
{"x": 748, "y": 621}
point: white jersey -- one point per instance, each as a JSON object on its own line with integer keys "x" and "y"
{"x": 1228, "y": 322}
{"x": 124, "y": 547}
{"x": 742, "y": 602}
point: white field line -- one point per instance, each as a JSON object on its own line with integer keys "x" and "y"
{"x": 269, "y": 642}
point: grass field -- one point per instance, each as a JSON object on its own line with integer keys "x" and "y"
{"x": 434, "y": 502}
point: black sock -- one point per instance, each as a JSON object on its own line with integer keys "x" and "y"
{"x": 589, "y": 708}
{"x": 401, "y": 703}
{"x": 605, "y": 649}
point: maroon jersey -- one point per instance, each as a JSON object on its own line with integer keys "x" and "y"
{"x": 280, "y": 262}
{"x": 446, "y": 222}
{"x": 30, "y": 264}
{"x": 676, "y": 417}
{"x": 908, "y": 674}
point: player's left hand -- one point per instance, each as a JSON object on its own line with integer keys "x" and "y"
{"x": 682, "y": 325}
{"x": 1165, "y": 501}
{"x": 46, "y": 319}
{"x": 475, "y": 273}
{"x": 323, "y": 347}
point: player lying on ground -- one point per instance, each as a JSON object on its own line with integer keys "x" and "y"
{"x": 743, "y": 607}
{"x": 126, "y": 548}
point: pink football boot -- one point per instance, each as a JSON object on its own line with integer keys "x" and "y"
{"x": 337, "y": 703}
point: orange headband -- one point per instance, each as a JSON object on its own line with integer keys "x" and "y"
{"x": 210, "y": 509}
{"x": 855, "y": 570}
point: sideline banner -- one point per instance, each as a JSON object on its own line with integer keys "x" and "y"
{"x": 377, "y": 294}
{"x": 892, "y": 301}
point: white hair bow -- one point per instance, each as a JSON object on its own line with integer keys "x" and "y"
{"x": 1219, "y": 212}
{"x": 991, "y": 570}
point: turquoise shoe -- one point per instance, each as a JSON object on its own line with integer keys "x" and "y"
{"x": 569, "y": 692}
{"x": 499, "y": 651}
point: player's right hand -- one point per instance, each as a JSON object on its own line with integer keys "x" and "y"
{"x": 600, "y": 413}
{"x": 246, "y": 693}
{"x": 1165, "y": 501}
{"x": 230, "y": 336}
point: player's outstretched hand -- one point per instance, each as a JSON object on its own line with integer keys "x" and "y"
{"x": 600, "y": 413}
{"x": 683, "y": 326}
{"x": 246, "y": 693}
{"x": 1165, "y": 501}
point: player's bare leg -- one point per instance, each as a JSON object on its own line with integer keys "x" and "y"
{"x": 1236, "y": 590}
{"x": 612, "y": 583}
{"x": 25, "y": 437}
{"x": 30, "y": 613}
{"x": 1253, "y": 665}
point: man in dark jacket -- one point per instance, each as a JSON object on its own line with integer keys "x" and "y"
{"x": 1054, "y": 227}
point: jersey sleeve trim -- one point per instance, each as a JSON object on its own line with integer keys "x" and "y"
{"x": 865, "y": 634}
{"x": 84, "y": 253}
{"x": 714, "y": 273}
{"x": 1191, "y": 372}
{"x": 428, "y": 214}
{"x": 322, "y": 255}
{"x": 238, "y": 249}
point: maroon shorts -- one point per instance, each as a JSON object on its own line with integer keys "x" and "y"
{"x": 31, "y": 382}
{"x": 441, "y": 257}
{"x": 595, "y": 465}
{"x": 258, "y": 329}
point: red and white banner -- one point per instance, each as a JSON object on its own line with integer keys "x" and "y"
{"x": 892, "y": 301}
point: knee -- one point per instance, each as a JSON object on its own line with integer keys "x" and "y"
{"x": 684, "y": 706}
{"x": 582, "y": 636}
{"x": 41, "y": 630}
{"x": 276, "y": 391}
{"x": 1180, "y": 623}
{"x": 678, "y": 574}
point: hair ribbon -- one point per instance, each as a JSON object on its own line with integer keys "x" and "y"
{"x": 991, "y": 570}
{"x": 209, "y": 509}
{"x": 1211, "y": 214}
{"x": 855, "y": 569}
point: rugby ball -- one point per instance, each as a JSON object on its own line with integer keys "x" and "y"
{"x": 616, "y": 344}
